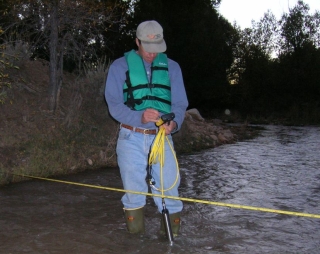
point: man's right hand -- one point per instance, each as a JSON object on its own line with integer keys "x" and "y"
{"x": 150, "y": 115}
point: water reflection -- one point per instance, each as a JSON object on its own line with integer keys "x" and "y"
{"x": 278, "y": 170}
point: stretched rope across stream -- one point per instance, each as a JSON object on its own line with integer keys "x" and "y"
{"x": 317, "y": 216}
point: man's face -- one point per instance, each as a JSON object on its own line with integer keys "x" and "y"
{"x": 147, "y": 56}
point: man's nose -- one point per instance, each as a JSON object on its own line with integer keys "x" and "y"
{"x": 152, "y": 54}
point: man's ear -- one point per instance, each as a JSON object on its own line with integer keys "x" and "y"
{"x": 137, "y": 42}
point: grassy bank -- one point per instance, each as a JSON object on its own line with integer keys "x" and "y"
{"x": 79, "y": 135}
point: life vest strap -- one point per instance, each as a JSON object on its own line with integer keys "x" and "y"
{"x": 148, "y": 97}
{"x": 159, "y": 68}
{"x": 130, "y": 89}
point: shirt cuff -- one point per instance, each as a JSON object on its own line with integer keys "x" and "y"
{"x": 175, "y": 129}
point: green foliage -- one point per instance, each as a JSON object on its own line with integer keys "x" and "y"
{"x": 63, "y": 32}
{"x": 273, "y": 66}
{"x": 285, "y": 87}
{"x": 299, "y": 28}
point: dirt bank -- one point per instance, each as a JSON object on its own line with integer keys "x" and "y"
{"x": 80, "y": 134}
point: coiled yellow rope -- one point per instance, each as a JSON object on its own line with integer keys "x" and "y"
{"x": 157, "y": 155}
{"x": 157, "y": 149}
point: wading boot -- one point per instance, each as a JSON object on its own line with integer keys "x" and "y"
{"x": 135, "y": 220}
{"x": 175, "y": 224}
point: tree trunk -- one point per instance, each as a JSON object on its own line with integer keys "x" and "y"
{"x": 53, "y": 83}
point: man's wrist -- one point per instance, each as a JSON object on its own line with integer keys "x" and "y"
{"x": 176, "y": 128}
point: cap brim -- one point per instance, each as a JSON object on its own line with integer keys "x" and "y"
{"x": 153, "y": 47}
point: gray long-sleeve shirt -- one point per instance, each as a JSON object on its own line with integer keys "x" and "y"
{"x": 123, "y": 114}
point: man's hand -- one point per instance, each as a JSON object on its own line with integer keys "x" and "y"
{"x": 150, "y": 115}
{"x": 169, "y": 127}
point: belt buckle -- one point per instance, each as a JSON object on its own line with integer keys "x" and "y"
{"x": 145, "y": 131}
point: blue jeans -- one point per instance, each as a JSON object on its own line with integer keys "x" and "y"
{"x": 132, "y": 155}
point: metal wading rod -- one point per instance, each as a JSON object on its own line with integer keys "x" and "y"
{"x": 166, "y": 221}
{"x": 157, "y": 155}
{"x": 261, "y": 209}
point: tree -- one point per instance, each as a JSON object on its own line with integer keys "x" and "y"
{"x": 299, "y": 55}
{"x": 250, "y": 73}
{"x": 299, "y": 28}
{"x": 265, "y": 83}
{"x": 61, "y": 29}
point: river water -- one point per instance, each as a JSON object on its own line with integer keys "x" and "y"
{"x": 277, "y": 170}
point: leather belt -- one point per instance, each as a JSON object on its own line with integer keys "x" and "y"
{"x": 143, "y": 131}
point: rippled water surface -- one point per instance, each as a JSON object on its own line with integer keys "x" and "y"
{"x": 279, "y": 170}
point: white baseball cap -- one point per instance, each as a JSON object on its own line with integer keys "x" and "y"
{"x": 150, "y": 33}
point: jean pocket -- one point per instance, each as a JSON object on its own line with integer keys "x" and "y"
{"x": 125, "y": 134}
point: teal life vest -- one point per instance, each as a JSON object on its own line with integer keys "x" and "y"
{"x": 138, "y": 92}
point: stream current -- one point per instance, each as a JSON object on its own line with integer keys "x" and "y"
{"x": 278, "y": 170}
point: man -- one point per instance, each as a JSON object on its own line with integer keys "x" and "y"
{"x": 141, "y": 87}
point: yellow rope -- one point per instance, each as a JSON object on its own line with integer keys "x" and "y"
{"x": 157, "y": 150}
{"x": 181, "y": 198}
{"x": 157, "y": 155}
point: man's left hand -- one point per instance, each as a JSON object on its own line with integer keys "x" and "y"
{"x": 169, "y": 127}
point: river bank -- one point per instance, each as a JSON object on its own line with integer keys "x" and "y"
{"x": 62, "y": 151}
{"x": 79, "y": 135}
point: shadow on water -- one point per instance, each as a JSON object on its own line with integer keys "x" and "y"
{"x": 278, "y": 170}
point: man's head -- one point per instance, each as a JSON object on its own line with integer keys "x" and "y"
{"x": 150, "y": 35}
